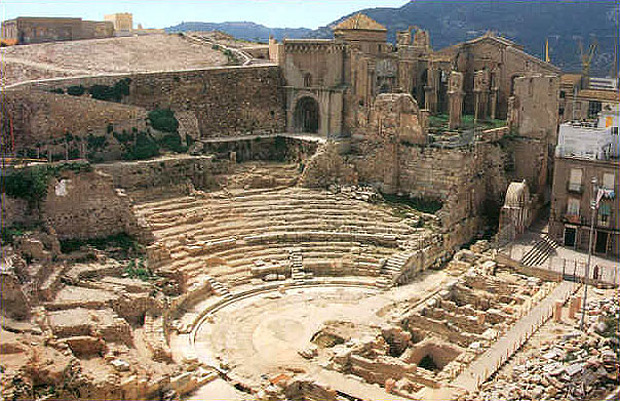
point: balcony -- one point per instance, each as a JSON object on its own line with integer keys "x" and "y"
{"x": 574, "y": 187}
{"x": 572, "y": 218}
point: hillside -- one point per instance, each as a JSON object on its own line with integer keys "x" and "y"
{"x": 528, "y": 23}
{"x": 242, "y": 30}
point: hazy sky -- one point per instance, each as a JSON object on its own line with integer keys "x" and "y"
{"x": 163, "y": 13}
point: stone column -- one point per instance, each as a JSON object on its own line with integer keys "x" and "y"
{"x": 494, "y": 94}
{"x": 430, "y": 90}
{"x": 455, "y": 94}
{"x": 481, "y": 94}
{"x": 557, "y": 312}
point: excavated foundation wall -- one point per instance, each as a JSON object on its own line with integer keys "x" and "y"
{"x": 271, "y": 148}
{"x": 166, "y": 173}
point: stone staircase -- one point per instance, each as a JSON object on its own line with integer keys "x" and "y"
{"x": 218, "y": 288}
{"x": 297, "y": 268}
{"x": 540, "y": 253}
{"x": 392, "y": 269}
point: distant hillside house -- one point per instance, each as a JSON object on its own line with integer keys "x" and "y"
{"x": 31, "y": 30}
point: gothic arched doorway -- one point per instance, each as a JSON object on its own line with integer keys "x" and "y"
{"x": 306, "y": 117}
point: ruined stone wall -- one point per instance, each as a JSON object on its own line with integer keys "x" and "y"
{"x": 164, "y": 172}
{"x": 533, "y": 120}
{"x": 272, "y": 148}
{"x": 41, "y": 119}
{"x": 470, "y": 182}
{"x": 536, "y": 105}
{"x": 86, "y": 205}
{"x": 326, "y": 167}
{"x": 14, "y": 211}
{"x": 226, "y": 101}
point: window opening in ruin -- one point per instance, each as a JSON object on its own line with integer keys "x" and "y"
{"x": 307, "y": 115}
{"x": 429, "y": 364}
{"x": 418, "y": 92}
{"x": 574, "y": 184}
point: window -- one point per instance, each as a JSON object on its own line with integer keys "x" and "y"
{"x": 594, "y": 107}
{"x": 604, "y": 214}
{"x": 608, "y": 181}
{"x": 574, "y": 183}
{"x": 562, "y": 94}
{"x": 307, "y": 79}
{"x": 572, "y": 208}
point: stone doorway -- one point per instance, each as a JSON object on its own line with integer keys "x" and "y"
{"x": 306, "y": 118}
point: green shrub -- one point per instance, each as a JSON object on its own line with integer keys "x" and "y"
{"x": 124, "y": 137}
{"x": 145, "y": 147}
{"x": 28, "y": 183}
{"x": 163, "y": 120}
{"x": 173, "y": 142}
{"x": 96, "y": 142}
{"x": 138, "y": 270}
{"x": 423, "y": 205}
{"x": 8, "y": 234}
{"x": 76, "y": 90}
{"x": 58, "y": 90}
{"x": 111, "y": 93}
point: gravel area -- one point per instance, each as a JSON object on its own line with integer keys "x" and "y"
{"x": 104, "y": 56}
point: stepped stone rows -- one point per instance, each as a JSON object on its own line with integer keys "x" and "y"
{"x": 229, "y": 235}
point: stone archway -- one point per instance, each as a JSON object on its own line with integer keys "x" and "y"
{"x": 306, "y": 115}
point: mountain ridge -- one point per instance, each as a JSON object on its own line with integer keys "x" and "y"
{"x": 563, "y": 23}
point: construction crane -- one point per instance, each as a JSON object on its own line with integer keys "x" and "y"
{"x": 586, "y": 58}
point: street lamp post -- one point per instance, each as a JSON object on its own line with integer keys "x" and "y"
{"x": 593, "y": 206}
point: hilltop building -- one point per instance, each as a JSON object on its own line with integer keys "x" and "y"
{"x": 31, "y": 30}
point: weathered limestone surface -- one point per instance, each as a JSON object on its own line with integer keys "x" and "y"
{"x": 327, "y": 167}
{"x": 164, "y": 172}
{"x": 86, "y": 205}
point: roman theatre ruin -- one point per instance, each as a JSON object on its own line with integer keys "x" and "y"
{"x": 277, "y": 229}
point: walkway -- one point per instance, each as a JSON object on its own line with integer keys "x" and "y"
{"x": 564, "y": 259}
{"x": 488, "y": 363}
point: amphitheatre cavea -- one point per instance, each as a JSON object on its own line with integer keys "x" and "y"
{"x": 357, "y": 215}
